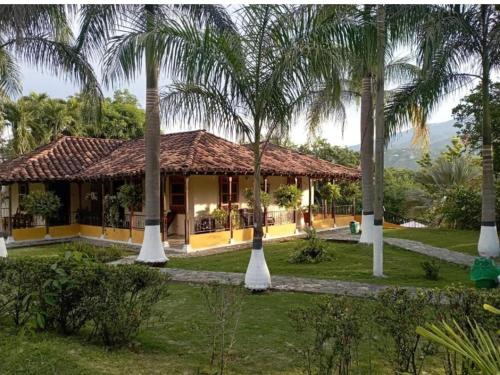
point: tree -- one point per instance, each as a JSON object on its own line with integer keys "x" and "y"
{"x": 130, "y": 36}
{"x": 44, "y": 204}
{"x": 469, "y": 32}
{"x": 468, "y": 117}
{"x": 248, "y": 81}
{"x": 335, "y": 154}
{"x": 378, "y": 217}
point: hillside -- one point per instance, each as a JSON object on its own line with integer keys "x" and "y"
{"x": 402, "y": 153}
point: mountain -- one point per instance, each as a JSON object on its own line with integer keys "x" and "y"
{"x": 402, "y": 153}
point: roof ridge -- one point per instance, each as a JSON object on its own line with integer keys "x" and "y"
{"x": 192, "y": 151}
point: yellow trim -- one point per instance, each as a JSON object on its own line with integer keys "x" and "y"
{"x": 343, "y": 220}
{"x": 137, "y": 235}
{"x": 117, "y": 234}
{"x": 281, "y": 230}
{"x": 25, "y": 234}
{"x": 90, "y": 231}
{"x": 64, "y": 230}
{"x": 200, "y": 241}
{"x": 242, "y": 235}
{"x": 323, "y": 223}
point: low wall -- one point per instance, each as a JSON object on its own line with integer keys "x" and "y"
{"x": 38, "y": 233}
{"x": 281, "y": 230}
{"x": 90, "y": 231}
{"x": 242, "y": 235}
{"x": 204, "y": 240}
{"x": 323, "y": 223}
{"x": 343, "y": 220}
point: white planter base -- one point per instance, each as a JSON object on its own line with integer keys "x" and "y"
{"x": 378, "y": 251}
{"x": 488, "y": 245}
{"x": 3, "y": 248}
{"x": 257, "y": 276}
{"x": 152, "y": 247}
{"x": 366, "y": 229}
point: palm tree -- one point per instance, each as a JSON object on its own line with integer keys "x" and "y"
{"x": 248, "y": 82}
{"x": 126, "y": 35}
{"x": 378, "y": 219}
{"x": 449, "y": 39}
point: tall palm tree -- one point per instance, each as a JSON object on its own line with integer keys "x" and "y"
{"x": 125, "y": 35}
{"x": 378, "y": 219}
{"x": 247, "y": 82}
{"x": 450, "y": 38}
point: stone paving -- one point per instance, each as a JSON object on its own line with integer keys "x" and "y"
{"x": 280, "y": 283}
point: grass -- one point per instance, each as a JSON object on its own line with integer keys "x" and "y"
{"x": 350, "y": 262}
{"x": 463, "y": 241}
{"x": 264, "y": 342}
{"x": 47, "y": 251}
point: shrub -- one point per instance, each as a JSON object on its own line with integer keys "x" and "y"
{"x": 462, "y": 208}
{"x": 329, "y": 335}
{"x": 42, "y": 203}
{"x": 265, "y": 198}
{"x": 431, "y": 269}
{"x": 223, "y": 306}
{"x": 67, "y": 293}
{"x": 130, "y": 196}
{"x": 96, "y": 253}
{"x": 311, "y": 250}
{"x": 288, "y": 196}
{"x": 399, "y": 313}
{"x": 111, "y": 210}
{"x": 124, "y": 301}
{"x": 20, "y": 288}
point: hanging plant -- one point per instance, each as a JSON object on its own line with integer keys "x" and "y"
{"x": 288, "y": 196}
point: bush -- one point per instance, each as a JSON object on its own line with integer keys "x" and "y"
{"x": 124, "y": 301}
{"x": 311, "y": 250}
{"x": 329, "y": 334}
{"x": 95, "y": 253}
{"x": 399, "y": 313}
{"x": 41, "y": 203}
{"x": 288, "y": 196}
{"x": 67, "y": 293}
{"x": 462, "y": 208}
{"x": 20, "y": 288}
{"x": 431, "y": 269}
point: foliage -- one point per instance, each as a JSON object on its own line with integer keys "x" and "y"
{"x": 95, "y": 253}
{"x": 37, "y": 119}
{"x": 476, "y": 346}
{"x": 130, "y": 196}
{"x": 329, "y": 333}
{"x": 124, "y": 301}
{"x": 322, "y": 149}
{"x": 265, "y": 198}
{"x": 398, "y": 313}
{"x": 111, "y": 207}
{"x": 329, "y": 192}
{"x": 461, "y": 208}
{"x": 398, "y": 183}
{"x": 311, "y": 250}
{"x": 41, "y": 203}
{"x": 431, "y": 269}
{"x": 288, "y": 196}
{"x": 223, "y": 304}
{"x": 220, "y": 216}
{"x": 468, "y": 115}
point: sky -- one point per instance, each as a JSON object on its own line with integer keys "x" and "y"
{"x": 40, "y": 81}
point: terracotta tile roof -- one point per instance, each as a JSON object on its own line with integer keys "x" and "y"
{"x": 192, "y": 152}
{"x": 59, "y": 160}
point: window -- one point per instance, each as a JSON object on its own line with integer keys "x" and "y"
{"x": 224, "y": 190}
{"x": 177, "y": 194}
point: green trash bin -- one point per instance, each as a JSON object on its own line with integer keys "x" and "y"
{"x": 484, "y": 273}
{"x": 354, "y": 226}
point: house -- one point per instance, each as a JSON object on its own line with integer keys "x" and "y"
{"x": 199, "y": 173}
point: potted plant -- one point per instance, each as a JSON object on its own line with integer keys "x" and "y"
{"x": 130, "y": 198}
{"x": 44, "y": 204}
{"x": 265, "y": 201}
{"x": 329, "y": 193}
{"x": 289, "y": 197}
{"x": 220, "y": 218}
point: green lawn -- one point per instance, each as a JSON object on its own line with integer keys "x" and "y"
{"x": 350, "y": 262}
{"x": 47, "y": 251}
{"x": 264, "y": 343}
{"x": 464, "y": 241}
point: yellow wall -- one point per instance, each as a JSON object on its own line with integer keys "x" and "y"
{"x": 137, "y": 236}
{"x": 90, "y": 231}
{"x": 323, "y": 223}
{"x": 64, "y": 230}
{"x": 117, "y": 234}
{"x": 281, "y": 230}
{"x": 199, "y": 241}
{"x": 241, "y": 235}
{"x": 343, "y": 220}
{"x": 24, "y": 234}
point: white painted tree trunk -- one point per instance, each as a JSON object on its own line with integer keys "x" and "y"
{"x": 378, "y": 251}
{"x": 3, "y": 248}
{"x": 366, "y": 229}
{"x": 257, "y": 276}
{"x": 488, "y": 245}
{"x": 152, "y": 250}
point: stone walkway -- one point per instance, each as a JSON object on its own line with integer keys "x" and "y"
{"x": 344, "y": 235}
{"x": 280, "y": 283}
